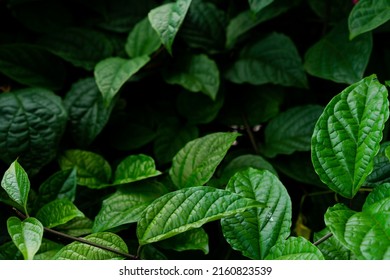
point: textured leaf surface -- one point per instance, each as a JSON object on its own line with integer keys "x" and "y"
{"x": 58, "y": 212}
{"x": 381, "y": 172}
{"x": 93, "y": 170}
{"x": 142, "y": 40}
{"x": 126, "y": 205}
{"x": 273, "y": 59}
{"x": 347, "y": 135}
{"x": 368, "y": 15}
{"x": 295, "y": 248}
{"x": 332, "y": 248}
{"x": 17, "y": 185}
{"x": 32, "y": 122}
{"x": 112, "y": 73}
{"x": 26, "y": 235}
{"x": 167, "y": 19}
{"x": 81, "y": 251}
{"x": 47, "y": 250}
{"x": 291, "y": 131}
{"x": 196, "y": 162}
{"x": 81, "y": 47}
{"x": 257, "y": 230}
{"x": 87, "y": 113}
{"x": 196, "y": 73}
{"x": 195, "y": 239}
{"x": 338, "y": 59}
{"x": 189, "y": 208}
{"x": 79, "y": 226}
{"x": 32, "y": 66}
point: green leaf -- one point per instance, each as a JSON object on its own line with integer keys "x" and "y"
{"x": 93, "y": 170}
{"x": 47, "y": 250}
{"x": 295, "y": 248}
{"x": 112, "y": 73}
{"x": 258, "y": 5}
{"x": 338, "y": 59}
{"x": 31, "y": 66}
{"x": 273, "y": 59}
{"x": 17, "y": 185}
{"x": 58, "y": 212}
{"x": 81, "y": 47}
{"x": 81, "y": 251}
{"x": 135, "y": 168}
{"x": 257, "y": 230}
{"x": 291, "y": 130}
{"x": 167, "y": 19}
{"x": 27, "y": 235}
{"x": 381, "y": 172}
{"x": 346, "y": 137}
{"x": 32, "y": 122}
{"x": 197, "y": 161}
{"x": 79, "y": 226}
{"x": 379, "y": 195}
{"x": 368, "y": 15}
{"x": 142, "y": 40}
{"x": 189, "y": 208}
{"x": 126, "y": 205}
{"x": 204, "y": 27}
{"x": 332, "y": 248}
{"x": 196, "y": 73}
{"x": 195, "y": 239}
{"x": 87, "y": 113}
{"x": 9, "y": 251}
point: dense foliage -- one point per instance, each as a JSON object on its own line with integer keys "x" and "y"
{"x": 218, "y": 129}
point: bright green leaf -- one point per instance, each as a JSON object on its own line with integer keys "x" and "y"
{"x": 142, "y": 40}
{"x": 126, "y": 205}
{"x": 17, "y": 185}
{"x": 189, "y": 208}
{"x": 368, "y": 15}
{"x": 112, "y": 73}
{"x": 378, "y": 197}
{"x": 197, "y": 161}
{"x": 257, "y": 230}
{"x": 195, "y": 239}
{"x": 258, "y": 5}
{"x": 295, "y": 248}
{"x": 338, "y": 59}
{"x": 381, "y": 172}
{"x": 87, "y": 113}
{"x": 273, "y": 59}
{"x": 93, "y": 170}
{"x": 58, "y": 212}
{"x": 196, "y": 73}
{"x": 291, "y": 130}
{"x": 81, "y": 251}
{"x": 32, "y": 122}
{"x": 32, "y": 66}
{"x": 347, "y": 135}
{"x": 167, "y": 19}
{"x": 27, "y": 235}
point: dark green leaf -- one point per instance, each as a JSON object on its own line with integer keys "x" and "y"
{"x": 47, "y": 250}
{"x": 196, "y": 162}
{"x": 258, "y": 5}
{"x": 79, "y": 226}
{"x": 295, "y": 248}
{"x": 347, "y": 135}
{"x": 189, "y": 208}
{"x": 9, "y": 251}
{"x": 195, "y": 239}
{"x": 381, "y": 172}
{"x": 332, "y": 248}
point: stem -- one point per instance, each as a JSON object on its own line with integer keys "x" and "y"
{"x": 322, "y": 239}
{"x": 250, "y": 134}
{"x": 80, "y": 239}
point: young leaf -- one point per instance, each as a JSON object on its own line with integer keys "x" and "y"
{"x": 126, "y": 205}
{"x": 58, "y": 212}
{"x": 196, "y": 73}
{"x": 32, "y": 122}
{"x": 368, "y": 15}
{"x": 142, "y": 40}
{"x": 189, "y": 208}
{"x": 291, "y": 131}
{"x": 32, "y": 66}
{"x": 81, "y": 251}
{"x": 295, "y": 248}
{"x": 338, "y": 59}
{"x": 258, "y": 5}
{"x": 87, "y": 113}
{"x": 273, "y": 59}
{"x": 112, "y": 73}
{"x": 347, "y": 135}
{"x": 27, "y": 235}
{"x": 167, "y": 19}
{"x": 257, "y": 230}
{"x": 196, "y": 163}
{"x": 135, "y": 168}
{"x": 93, "y": 170}
{"x": 17, "y": 185}
{"x": 195, "y": 239}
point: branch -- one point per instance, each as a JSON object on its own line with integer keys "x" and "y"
{"x": 322, "y": 239}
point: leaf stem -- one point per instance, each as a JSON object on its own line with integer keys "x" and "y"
{"x": 250, "y": 134}
{"x": 322, "y": 239}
